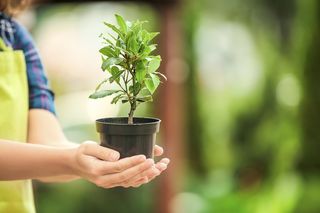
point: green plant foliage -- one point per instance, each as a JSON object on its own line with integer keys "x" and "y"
{"x": 127, "y": 57}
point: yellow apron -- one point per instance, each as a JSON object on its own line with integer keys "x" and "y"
{"x": 15, "y": 196}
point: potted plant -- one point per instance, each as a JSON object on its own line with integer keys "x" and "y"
{"x": 128, "y": 60}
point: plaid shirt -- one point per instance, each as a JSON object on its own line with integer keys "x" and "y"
{"x": 16, "y": 36}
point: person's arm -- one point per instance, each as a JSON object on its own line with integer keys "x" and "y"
{"x": 44, "y": 129}
{"x": 96, "y": 164}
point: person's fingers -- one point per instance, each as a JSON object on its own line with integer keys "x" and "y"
{"x": 121, "y": 165}
{"x": 161, "y": 166}
{"x": 116, "y": 179}
{"x": 93, "y": 149}
{"x": 140, "y": 182}
{"x": 158, "y": 150}
{"x": 165, "y": 160}
{"x": 149, "y": 174}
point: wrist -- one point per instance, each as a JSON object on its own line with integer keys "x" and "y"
{"x": 68, "y": 160}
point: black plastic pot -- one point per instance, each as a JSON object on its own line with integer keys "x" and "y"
{"x": 129, "y": 139}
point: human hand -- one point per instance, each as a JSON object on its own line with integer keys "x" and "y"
{"x": 102, "y": 166}
{"x": 154, "y": 171}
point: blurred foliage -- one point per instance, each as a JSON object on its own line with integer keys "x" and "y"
{"x": 258, "y": 152}
{"x": 253, "y": 114}
{"x": 83, "y": 197}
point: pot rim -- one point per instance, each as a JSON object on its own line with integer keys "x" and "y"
{"x": 152, "y": 121}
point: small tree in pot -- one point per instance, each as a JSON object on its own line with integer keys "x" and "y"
{"x": 128, "y": 58}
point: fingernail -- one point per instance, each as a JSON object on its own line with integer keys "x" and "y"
{"x": 163, "y": 166}
{"x": 166, "y": 160}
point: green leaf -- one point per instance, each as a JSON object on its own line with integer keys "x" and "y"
{"x": 141, "y": 49}
{"x": 121, "y": 23}
{"x": 116, "y": 99}
{"x": 121, "y": 44}
{"x": 149, "y": 49}
{"x": 153, "y": 35}
{"x": 111, "y": 61}
{"x": 137, "y": 26}
{"x": 141, "y": 71}
{"x": 145, "y": 99}
{"x": 152, "y": 83}
{"x": 136, "y": 88}
{"x": 144, "y": 36}
{"x": 124, "y": 100}
{"x": 107, "y": 51}
{"x": 116, "y": 73}
{"x": 114, "y": 38}
{"x": 144, "y": 92}
{"x": 103, "y": 93}
{"x": 114, "y": 70}
{"x": 109, "y": 42}
{"x": 99, "y": 85}
{"x": 129, "y": 24}
{"x": 123, "y": 50}
{"x": 154, "y": 64}
{"x": 132, "y": 44}
{"x": 115, "y": 29}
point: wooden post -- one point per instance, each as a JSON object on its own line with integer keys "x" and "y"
{"x": 170, "y": 105}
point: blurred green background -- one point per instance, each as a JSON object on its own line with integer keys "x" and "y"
{"x": 251, "y": 76}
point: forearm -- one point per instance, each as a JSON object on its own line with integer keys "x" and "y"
{"x": 44, "y": 128}
{"x": 31, "y": 161}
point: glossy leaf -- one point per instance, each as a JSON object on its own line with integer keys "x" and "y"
{"x": 103, "y": 93}
{"x": 121, "y": 23}
{"x": 107, "y": 51}
{"x": 153, "y": 35}
{"x": 141, "y": 71}
{"x": 124, "y": 100}
{"x": 99, "y": 85}
{"x": 152, "y": 83}
{"x": 135, "y": 89}
{"x": 145, "y": 99}
{"x": 132, "y": 44}
{"x": 115, "y": 29}
{"x": 116, "y": 73}
{"x": 116, "y": 99}
{"x": 111, "y": 61}
{"x": 154, "y": 64}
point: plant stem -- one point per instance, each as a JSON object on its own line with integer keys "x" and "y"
{"x": 133, "y": 103}
{"x": 132, "y": 109}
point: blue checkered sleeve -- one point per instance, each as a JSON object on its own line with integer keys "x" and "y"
{"x": 15, "y": 35}
{"x": 40, "y": 96}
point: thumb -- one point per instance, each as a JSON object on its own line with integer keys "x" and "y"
{"x": 93, "y": 149}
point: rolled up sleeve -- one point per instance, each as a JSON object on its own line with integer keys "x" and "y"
{"x": 40, "y": 94}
